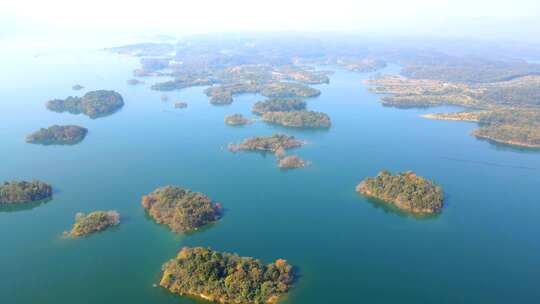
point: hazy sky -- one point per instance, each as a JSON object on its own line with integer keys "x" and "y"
{"x": 401, "y": 16}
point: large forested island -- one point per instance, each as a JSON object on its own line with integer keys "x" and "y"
{"x": 276, "y": 143}
{"x": 93, "y": 222}
{"x": 278, "y": 105}
{"x": 58, "y": 135}
{"x": 181, "y": 209}
{"x": 288, "y": 90}
{"x": 226, "y": 278}
{"x": 16, "y": 192}
{"x": 406, "y": 191}
{"x": 298, "y": 119}
{"x": 94, "y": 104}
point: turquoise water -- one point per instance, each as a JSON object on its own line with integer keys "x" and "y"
{"x": 483, "y": 248}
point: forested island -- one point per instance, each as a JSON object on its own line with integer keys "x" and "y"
{"x": 223, "y": 94}
{"x": 236, "y": 120}
{"x": 276, "y": 143}
{"x": 278, "y": 105}
{"x": 86, "y": 224}
{"x": 407, "y": 191}
{"x": 58, "y": 135}
{"x": 289, "y": 90}
{"x": 17, "y": 192}
{"x": 181, "y": 209}
{"x": 298, "y": 119}
{"x": 94, "y": 104}
{"x": 225, "y": 277}
{"x": 291, "y": 162}
{"x": 77, "y": 87}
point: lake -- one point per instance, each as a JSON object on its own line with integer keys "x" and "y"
{"x": 484, "y": 246}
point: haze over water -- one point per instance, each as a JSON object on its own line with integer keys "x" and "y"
{"x": 482, "y": 248}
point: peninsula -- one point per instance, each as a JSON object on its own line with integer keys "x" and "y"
{"x": 181, "y": 209}
{"x": 225, "y": 277}
{"x": 407, "y": 191}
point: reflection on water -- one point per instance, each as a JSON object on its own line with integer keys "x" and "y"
{"x": 391, "y": 209}
{"x": 22, "y": 206}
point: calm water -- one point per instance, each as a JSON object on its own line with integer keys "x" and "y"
{"x": 483, "y": 248}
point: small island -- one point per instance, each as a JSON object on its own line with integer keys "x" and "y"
{"x": 278, "y": 105}
{"x": 225, "y": 277}
{"x": 298, "y": 119}
{"x": 236, "y": 120}
{"x": 134, "y": 81}
{"x": 180, "y": 105}
{"x": 407, "y": 191}
{"x": 17, "y": 192}
{"x": 291, "y": 162}
{"x": 276, "y": 143}
{"x": 181, "y": 209}
{"x": 94, "y": 104}
{"x": 86, "y": 224}
{"x": 77, "y": 87}
{"x": 58, "y": 135}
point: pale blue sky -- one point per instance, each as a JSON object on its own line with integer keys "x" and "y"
{"x": 392, "y": 16}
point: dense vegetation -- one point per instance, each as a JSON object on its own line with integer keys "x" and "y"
{"x": 275, "y": 143}
{"x": 278, "y": 105}
{"x": 226, "y": 278}
{"x": 223, "y": 94}
{"x": 288, "y": 90}
{"x": 180, "y": 83}
{"x": 298, "y": 119}
{"x": 236, "y": 120}
{"x": 181, "y": 209}
{"x": 302, "y": 75}
{"x": 470, "y": 70}
{"x": 291, "y": 162}
{"x": 508, "y": 112}
{"x": 406, "y": 191}
{"x": 15, "y": 192}
{"x": 94, "y": 104}
{"x": 58, "y": 135}
{"x": 93, "y": 222}
{"x": 523, "y": 91}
